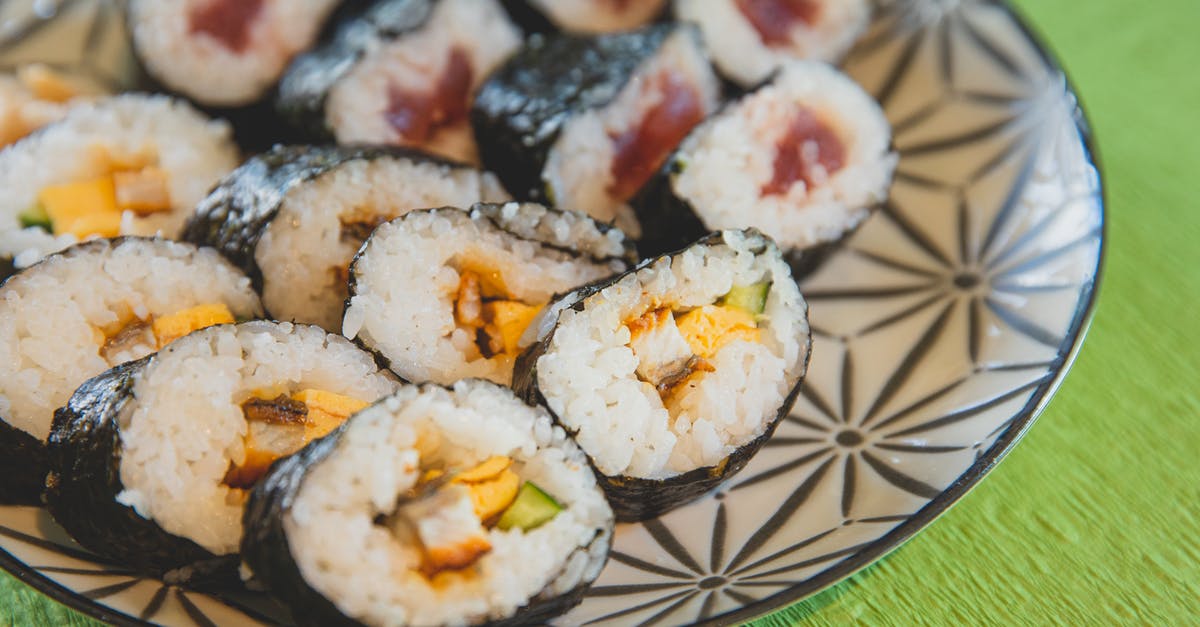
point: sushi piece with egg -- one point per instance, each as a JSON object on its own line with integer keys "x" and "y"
{"x": 91, "y": 307}
{"x": 446, "y": 294}
{"x": 400, "y": 72}
{"x": 805, "y": 159}
{"x": 129, "y": 165}
{"x": 223, "y": 53}
{"x": 293, "y": 218}
{"x": 450, "y": 506}
{"x": 673, "y": 375}
{"x": 750, "y": 39}
{"x": 581, "y": 123}
{"x": 151, "y": 463}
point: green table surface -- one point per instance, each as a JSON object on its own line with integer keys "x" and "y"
{"x": 1094, "y": 517}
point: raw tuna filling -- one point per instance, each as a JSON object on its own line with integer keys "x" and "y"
{"x": 226, "y": 21}
{"x": 642, "y": 149}
{"x": 809, "y": 151}
{"x": 774, "y": 19}
{"x": 418, "y": 116}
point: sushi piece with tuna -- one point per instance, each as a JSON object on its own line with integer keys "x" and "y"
{"x": 750, "y": 39}
{"x": 672, "y": 376}
{"x": 293, "y": 217}
{"x": 585, "y": 16}
{"x": 129, "y": 165}
{"x": 89, "y": 308}
{"x": 151, "y": 463}
{"x": 446, "y": 294}
{"x": 402, "y": 72}
{"x": 225, "y": 53}
{"x": 805, "y": 159}
{"x": 582, "y": 123}
{"x": 459, "y": 506}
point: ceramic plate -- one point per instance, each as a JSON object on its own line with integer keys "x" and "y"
{"x": 941, "y": 330}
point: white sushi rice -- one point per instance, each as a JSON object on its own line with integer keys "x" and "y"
{"x": 407, "y": 276}
{"x": 49, "y": 314}
{"x": 371, "y": 575}
{"x": 205, "y": 69}
{"x": 194, "y": 151}
{"x": 727, "y": 160}
{"x": 184, "y": 425}
{"x": 739, "y": 52}
{"x": 598, "y": 16}
{"x": 414, "y": 62}
{"x": 588, "y": 372}
{"x": 303, "y": 253}
{"x": 578, "y": 172}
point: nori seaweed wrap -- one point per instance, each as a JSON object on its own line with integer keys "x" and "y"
{"x": 453, "y": 505}
{"x": 671, "y": 376}
{"x": 151, "y": 462}
{"x": 400, "y": 72}
{"x": 582, "y": 122}
{"x": 293, "y": 218}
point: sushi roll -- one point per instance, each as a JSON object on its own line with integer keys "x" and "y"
{"x": 446, "y": 294}
{"x": 804, "y": 159}
{"x": 403, "y": 72}
{"x": 671, "y": 376}
{"x": 293, "y": 218}
{"x": 89, "y": 308}
{"x": 151, "y": 462}
{"x": 582, "y": 123}
{"x": 128, "y": 165}
{"x": 434, "y": 506}
{"x": 750, "y": 39}
{"x": 584, "y": 16}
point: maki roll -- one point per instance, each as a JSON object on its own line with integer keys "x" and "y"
{"x": 293, "y": 218}
{"x": 805, "y": 159}
{"x": 128, "y": 165}
{"x": 225, "y": 53}
{"x": 151, "y": 462}
{"x": 585, "y": 16}
{"x": 402, "y": 72}
{"x": 583, "y": 122}
{"x": 750, "y": 39}
{"x": 671, "y": 376}
{"x": 89, "y": 308}
{"x": 446, "y": 294}
{"x": 434, "y": 506}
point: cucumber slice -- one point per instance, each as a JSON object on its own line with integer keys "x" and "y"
{"x": 752, "y": 298}
{"x": 35, "y": 216}
{"x": 531, "y": 509}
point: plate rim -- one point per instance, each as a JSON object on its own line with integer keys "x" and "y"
{"x": 898, "y": 535}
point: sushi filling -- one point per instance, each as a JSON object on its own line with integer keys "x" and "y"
{"x": 750, "y": 39}
{"x": 599, "y": 16}
{"x": 450, "y": 513}
{"x": 674, "y": 347}
{"x": 132, "y": 187}
{"x": 133, "y": 337}
{"x": 484, "y": 308}
{"x": 803, "y": 159}
{"x": 227, "y": 22}
{"x": 416, "y": 90}
{"x": 280, "y": 426}
{"x": 604, "y": 156}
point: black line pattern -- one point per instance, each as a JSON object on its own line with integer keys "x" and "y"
{"x": 939, "y": 328}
